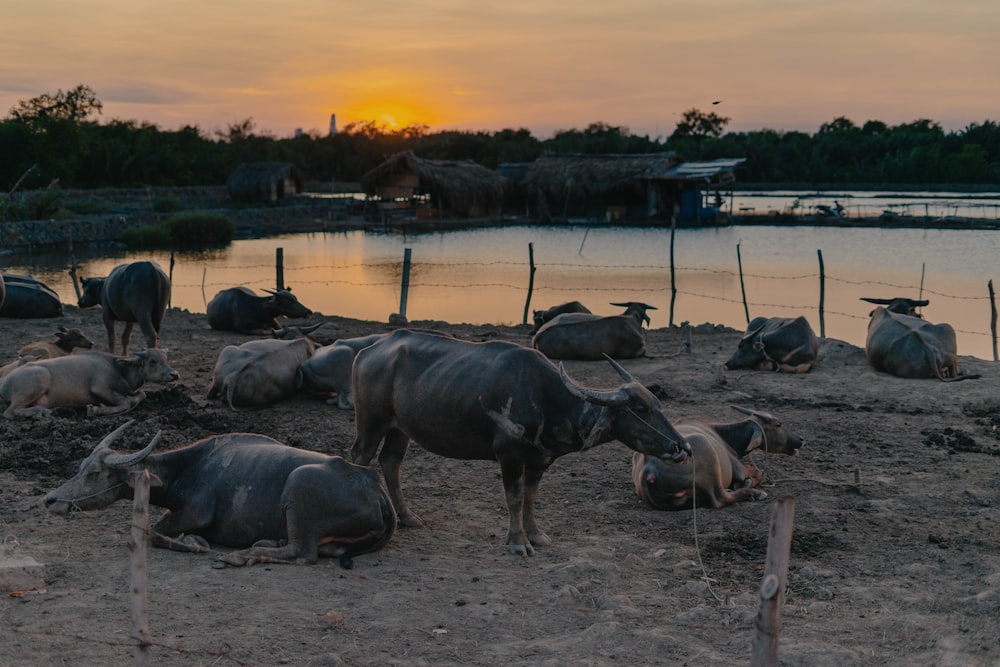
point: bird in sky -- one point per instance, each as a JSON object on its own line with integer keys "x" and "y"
{"x": 717, "y": 102}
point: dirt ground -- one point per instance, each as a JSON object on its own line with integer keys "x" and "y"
{"x": 894, "y": 558}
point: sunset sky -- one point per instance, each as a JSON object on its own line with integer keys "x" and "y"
{"x": 543, "y": 65}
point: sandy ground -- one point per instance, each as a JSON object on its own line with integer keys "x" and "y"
{"x": 899, "y": 569}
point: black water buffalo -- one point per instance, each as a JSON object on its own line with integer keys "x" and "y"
{"x": 716, "y": 477}
{"x": 239, "y": 309}
{"x": 136, "y": 292}
{"x": 103, "y": 383}
{"x": 907, "y": 346}
{"x": 540, "y": 317}
{"x": 27, "y": 298}
{"x": 493, "y": 401}
{"x": 258, "y": 373}
{"x": 242, "y": 490}
{"x": 591, "y": 337}
{"x": 776, "y": 344}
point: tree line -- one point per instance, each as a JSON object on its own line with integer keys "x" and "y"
{"x": 57, "y": 138}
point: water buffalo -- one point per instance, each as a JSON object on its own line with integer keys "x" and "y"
{"x": 328, "y": 370}
{"x": 103, "y": 383}
{"x": 275, "y": 502}
{"x": 239, "y": 309}
{"x": 591, "y": 337}
{"x": 26, "y": 298}
{"x": 716, "y": 477}
{"x": 776, "y": 344}
{"x": 493, "y": 401}
{"x": 136, "y": 292}
{"x": 64, "y": 342}
{"x": 907, "y": 346}
{"x": 540, "y": 317}
{"x": 260, "y": 372}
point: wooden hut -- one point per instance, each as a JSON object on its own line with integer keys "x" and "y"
{"x": 264, "y": 181}
{"x": 436, "y": 188}
{"x": 597, "y": 187}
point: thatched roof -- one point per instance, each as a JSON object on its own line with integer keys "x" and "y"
{"x": 459, "y": 185}
{"x": 256, "y": 181}
{"x": 586, "y": 175}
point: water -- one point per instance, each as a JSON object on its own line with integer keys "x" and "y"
{"x": 858, "y": 204}
{"x": 481, "y": 276}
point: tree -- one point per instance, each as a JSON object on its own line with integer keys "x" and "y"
{"x": 74, "y": 106}
{"x": 699, "y": 124}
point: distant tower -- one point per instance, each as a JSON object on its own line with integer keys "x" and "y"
{"x": 333, "y": 124}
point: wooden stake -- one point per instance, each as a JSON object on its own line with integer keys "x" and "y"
{"x": 138, "y": 543}
{"x": 404, "y": 289}
{"x": 767, "y": 625}
{"x": 673, "y": 277}
{"x": 531, "y": 277}
{"x": 279, "y": 261}
{"x": 993, "y": 317}
{"x": 822, "y": 295}
{"x": 743, "y": 289}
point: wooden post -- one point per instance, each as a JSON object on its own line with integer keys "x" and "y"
{"x": 405, "y": 287}
{"x": 279, "y": 263}
{"x": 72, "y": 275}
{"x": 743, "y": 289}
{"x": 531, "y": 278}
{"x": 204, "y": 272}
{"x": 170, "y": 300}
{"x": 993, "y": 317}
{"x": 138, "y": 545}
{"x": 673, "y": 276}
{"x": 585, "y": 233}
{"x": 767, "y": 625}
{"x": 822, "y": 294}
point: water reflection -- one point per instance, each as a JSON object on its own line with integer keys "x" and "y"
{"x": 481, "y": 276}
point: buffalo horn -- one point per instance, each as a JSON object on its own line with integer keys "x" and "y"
{"x": 125, "y": 460}
{"x": 625, "y": 375}
{"x": 111, "y": 437}
{"x": 269, "y": 291}
{"x": 746, "y": 411}
{"x": 600, "y": 397}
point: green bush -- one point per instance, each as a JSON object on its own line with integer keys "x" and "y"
{"x": 189, "y": 229}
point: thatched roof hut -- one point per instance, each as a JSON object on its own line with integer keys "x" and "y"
{"x": 596, "y": 186}
{"x": 459, "y": 188}
{"x": 265, "y": 181}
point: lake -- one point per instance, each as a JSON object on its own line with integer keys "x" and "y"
{"x": 481, "y": 276}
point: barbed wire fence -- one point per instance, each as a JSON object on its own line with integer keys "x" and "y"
{"x": 658, "y": 284}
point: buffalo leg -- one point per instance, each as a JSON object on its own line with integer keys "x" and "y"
{"x": 532, "y": 478}
{"x": 126, "y": 337}
{"x": 391, "y": 461}
{"x": 514, "y": 492}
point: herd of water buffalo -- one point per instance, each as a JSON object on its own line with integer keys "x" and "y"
{"x": 493, "y": 400}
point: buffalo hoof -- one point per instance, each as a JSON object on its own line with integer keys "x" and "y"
{"x": 757, "y": 494}
{"x": 410, "y": 520}
{"x": 522, "y": 549}
{"x": 539, "y": 539}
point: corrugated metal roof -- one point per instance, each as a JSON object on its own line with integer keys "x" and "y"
{"x": 699, "y": 171}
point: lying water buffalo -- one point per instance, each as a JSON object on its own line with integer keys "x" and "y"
{"x": 540, "y": 317}
{"x": 136, "y": 292}
{"x": 25, "y": 297}
{"x": 776, "y": 344}
{"x": 64, "y": 342}
{"x": 242, "y": 490}
{"x": 493, "y": 401}
{"x": 260, "y": 372}
{"x": 903, "y": 344}
{"x": 591, "y": 337}
{"x": 102, "y": 383}
{"x": 239, "y": 309}
{"x": 716, "y": 477}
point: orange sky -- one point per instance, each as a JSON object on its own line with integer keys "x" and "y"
{"x": 544, "y": 65}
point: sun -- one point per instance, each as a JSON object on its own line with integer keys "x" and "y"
{"x": 391, "y": 114}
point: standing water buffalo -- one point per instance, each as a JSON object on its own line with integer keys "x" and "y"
{"x": 903, "y": 344}
{"x": 101, "y": 382}
{"x": 242, "y": 490}
{"x": 776, "y": 344}
{"x": 136, "y": 292}
{"x": 26, "y": 298}
{"x": 540, "y": 317}
{"x": 591, "y": 337}
{"x": 493, "y": 401}
{"x": 239, "y": 309}
{"x": 716, "y": 477}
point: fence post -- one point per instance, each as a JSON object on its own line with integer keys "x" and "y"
{"x": 993, "y": 317}
{"x": 405, "y": 287}
{"x": 170, "y": 300}
{"x": 673, "y": 281}
{"x": 531, "y": 278}
{"x": 279, "y": 266}
{"x": 822, "y": 294}
{"x": 767, "y": 625}
{"x": 743, "y": 289}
